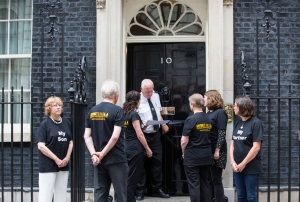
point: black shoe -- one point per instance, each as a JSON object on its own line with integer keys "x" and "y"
{"x": 139, "y": 197}
{"x": 160, "y": 193}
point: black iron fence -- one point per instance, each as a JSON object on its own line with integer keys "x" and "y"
{"x": 18, "y": 153}
{"x": 280, "y": 148}
{"x": 18, "y": 141}
{"x": 278, "y": 108}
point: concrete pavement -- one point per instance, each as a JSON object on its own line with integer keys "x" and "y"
{"x": 171, "y": 199}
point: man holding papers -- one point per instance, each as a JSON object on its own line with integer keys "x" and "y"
{"x": 149, "y": 111}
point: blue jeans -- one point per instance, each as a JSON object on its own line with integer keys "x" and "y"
{"x": 246, "y": 186}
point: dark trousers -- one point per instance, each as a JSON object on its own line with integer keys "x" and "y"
{"x": 136, "y": 165}
{"x": 104, "y": 175}
{"x": 216, "y": 182}
{"x": 246, "y": 186}
{"x": 155, "y": 163}
{"x": 198, "y": 182}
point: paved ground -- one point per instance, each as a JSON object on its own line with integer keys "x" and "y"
{"x": 156, "y": 199}
{"x": 172, "y": 199}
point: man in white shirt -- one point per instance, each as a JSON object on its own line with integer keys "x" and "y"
{"x": 149, "y": 109}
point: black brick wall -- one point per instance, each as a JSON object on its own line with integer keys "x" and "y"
{"x": 78, "y": 21}
{"x": 278, "y": 70}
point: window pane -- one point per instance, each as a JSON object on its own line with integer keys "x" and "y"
{"x": 3, "y": 9}
{"x": 3, "y": 38}
{"x": 4, "y": 74}
{"x": 3, "y": 108}
{"x": 20, "y": 9}
{"x": 17, "y": 108}
{"x": 20, "y": 73}
{"x": 20, "y": 38}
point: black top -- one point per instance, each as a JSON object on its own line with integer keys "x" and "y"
{"x": 101, "y": 119}
{"x": 132, "y": 143}
{"x": 243, "y": 135}
{"x": 218, "y": 135}
{"x": 56, "y": 138}
{"x": 198, "y": 149}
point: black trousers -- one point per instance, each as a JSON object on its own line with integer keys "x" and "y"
{"x": 104, "y": 175}
{"x": 135, "y": 164}
{"x": 198, "y": 182}
{"x": 155, "y": 164}
{"x": 216, "y": 183}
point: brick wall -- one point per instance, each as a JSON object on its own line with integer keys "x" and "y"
{"x": 273, "y": 63}
{"x": 77, "y": 30}
{"x": 79, "y": 24}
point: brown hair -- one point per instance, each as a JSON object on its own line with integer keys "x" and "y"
{"x": 132, "y": 100}
{"x": 214, "y": 100}
{"x": 51, "y": 101}
{"x": 245, "y": 105}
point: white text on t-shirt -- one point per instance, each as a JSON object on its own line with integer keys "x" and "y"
{"x": 62, "y": 134}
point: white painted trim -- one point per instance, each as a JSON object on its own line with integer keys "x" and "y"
{"x": 12, "y": 56}
{"x": 165, "y": 39}
{"x": 16, "y": 132}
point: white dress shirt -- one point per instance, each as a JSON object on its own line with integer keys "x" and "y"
{"x": 145, "y": 111}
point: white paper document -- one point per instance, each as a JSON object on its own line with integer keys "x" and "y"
{"x": 151, "y": 122}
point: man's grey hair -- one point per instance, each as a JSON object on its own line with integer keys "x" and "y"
{"x": 146, "y": 82}
{"x": 197, "y": 100}
{"x": 109, "y": 89}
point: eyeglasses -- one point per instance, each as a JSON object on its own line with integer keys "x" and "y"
{"x": 56, "y": 105}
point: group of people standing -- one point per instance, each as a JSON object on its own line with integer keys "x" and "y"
{"x": 120, "y": 141}
{"x": 204, "y": 148}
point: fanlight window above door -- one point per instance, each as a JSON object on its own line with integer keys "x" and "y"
{"x": 165, "y": 18}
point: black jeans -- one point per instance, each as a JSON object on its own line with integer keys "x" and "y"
{"x": 104, "y": 175}
{"x": 135, "y": 164}
{"x": 217, "y": 185}
{"x": 198, "y": 182}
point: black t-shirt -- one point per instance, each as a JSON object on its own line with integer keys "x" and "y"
{"x": 56, "y": 138}
{"x": 198, "y": 149}
{"x": 132, "y": 143}
{"x": 243, "y": 136}
{"x": 101, "y": 119}
{"x": 219, "y": 122}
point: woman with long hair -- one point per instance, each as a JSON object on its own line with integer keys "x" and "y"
{"x": 214, "y": 103}
{"x": 135, "y": 142}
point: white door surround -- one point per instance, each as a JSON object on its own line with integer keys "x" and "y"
{"x": 113, "y": 21}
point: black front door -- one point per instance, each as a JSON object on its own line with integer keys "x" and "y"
{"x": 180, "y": 67}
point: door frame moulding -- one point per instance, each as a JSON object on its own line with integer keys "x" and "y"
{"x": 165, "y": 39}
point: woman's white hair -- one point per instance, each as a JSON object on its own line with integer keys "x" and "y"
{"x": 109, "y": 89}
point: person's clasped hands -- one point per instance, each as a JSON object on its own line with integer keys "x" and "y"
{"x": 96, "y": 158}
{"x": 237, "y": 167}
{"x": 62, "y": 163}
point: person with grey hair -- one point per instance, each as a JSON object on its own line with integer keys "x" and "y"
{"x": 106, "y": 145}
{"x": 149, "y": 109}
{"x": 196, "y": 150}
